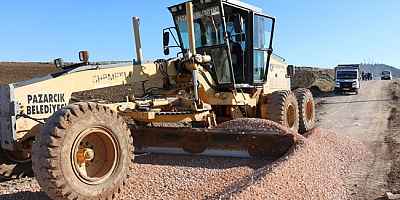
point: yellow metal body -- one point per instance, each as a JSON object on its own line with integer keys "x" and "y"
{"x": 191, "y": 95}
{"x": 41, "y": 97}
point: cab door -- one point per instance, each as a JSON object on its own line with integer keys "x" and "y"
{"x": 262, "y": 35}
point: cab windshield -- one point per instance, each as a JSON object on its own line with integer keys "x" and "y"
{"x": 385, "y": 73}
{"x": 346, "y": 75}
{"x": 208, "y": 27}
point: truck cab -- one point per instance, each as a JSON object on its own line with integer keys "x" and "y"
{"x": 347, "y": 78}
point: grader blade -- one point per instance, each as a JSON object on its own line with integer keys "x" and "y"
{"x": 217, "y": 141}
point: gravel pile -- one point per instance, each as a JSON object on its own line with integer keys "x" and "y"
{"x": 312, "y": 168}
{"x": 255, "y": 124}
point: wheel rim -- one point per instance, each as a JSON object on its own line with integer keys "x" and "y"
{"x": 309, "y": 111}
{"x": 95, "y": 155}
{"x": 18, "y": 156}
{"x": 290, "y": 115}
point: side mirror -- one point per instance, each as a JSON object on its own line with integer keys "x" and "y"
{"x": 238, "y": 23}
{"x": 290, "y": 70}
{"x": 166, "y": 38}
{"x": 166, "y": 51}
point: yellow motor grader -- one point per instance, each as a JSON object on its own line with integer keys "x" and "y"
{"x": 224, "y": 70}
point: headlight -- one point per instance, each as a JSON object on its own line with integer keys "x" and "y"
{"x": 59, "y": 62}
{"x": 173, "y": 9}
{"x": 337, "y": 84}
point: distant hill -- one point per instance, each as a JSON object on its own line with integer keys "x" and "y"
{"x": 377, "y": 68}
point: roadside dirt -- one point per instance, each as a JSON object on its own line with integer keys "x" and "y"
{"x": 371, "y": 117}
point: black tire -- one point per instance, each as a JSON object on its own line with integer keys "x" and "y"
{"x": 14, "y": 164}
{"x": 83, "y": 151}
{"x": 282, "y": 108}
{"x": 306, "y": 104}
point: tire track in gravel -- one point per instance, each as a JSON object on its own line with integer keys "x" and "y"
{"x": 363, "y": 117}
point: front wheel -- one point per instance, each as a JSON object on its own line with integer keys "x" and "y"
{"x": 83, "y": 151}
{"x": 282, "y": 108}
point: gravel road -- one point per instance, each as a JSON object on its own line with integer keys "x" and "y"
{"x": 372, "y": 118}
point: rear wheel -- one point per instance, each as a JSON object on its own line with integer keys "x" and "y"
{"x": 83, "y": 151}
{"x": 306, "y": 109}
{"x": 282, "y": 108}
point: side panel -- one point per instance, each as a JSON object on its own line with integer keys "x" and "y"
{"x": 24, "y": 104}
{"x": 9, "y": 108}
{"x": 277, "y": 76}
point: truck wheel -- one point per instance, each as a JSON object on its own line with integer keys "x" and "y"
{"x": 15, "y": 164}
{"x": 306, "y": 109}
{"x": 83, "y": 151}
{"x": 282, "y": 108}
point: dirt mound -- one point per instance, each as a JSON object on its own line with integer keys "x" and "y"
{"x": 392, "y": 139}
{"x": 318, "y": 80}
{"x": 254, "y": 124}
{"x": 15, "y": 71}
{"x": 302, "y": 79}
{"x": 311, "y": 170}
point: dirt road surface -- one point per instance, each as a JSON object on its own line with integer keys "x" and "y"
{"x": 371, "y": 117}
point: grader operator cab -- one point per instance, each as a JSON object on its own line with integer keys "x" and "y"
{"x": 238, "y": 37}
{"x": 224, "y": 70}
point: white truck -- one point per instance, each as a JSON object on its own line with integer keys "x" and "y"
{"x": 347, "y": 78}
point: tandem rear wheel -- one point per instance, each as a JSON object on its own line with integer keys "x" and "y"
{"x": 282, "y": 107}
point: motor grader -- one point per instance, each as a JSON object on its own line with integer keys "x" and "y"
{"x": 224, "y": 70}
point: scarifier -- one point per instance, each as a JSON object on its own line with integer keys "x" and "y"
{"x": 224, "y": 70}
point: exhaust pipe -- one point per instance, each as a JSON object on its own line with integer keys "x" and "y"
{"x": 139, "y": 55}
{"x": 192, "y": 46}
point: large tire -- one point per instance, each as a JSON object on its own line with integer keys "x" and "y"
{"x": 83, "y": 151}
{"x": 282, "y": 108}
{"x": 14, "y": 164}
{"x": 306, "y": 104}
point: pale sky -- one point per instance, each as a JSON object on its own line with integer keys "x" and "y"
{"x": 307, "y": 33}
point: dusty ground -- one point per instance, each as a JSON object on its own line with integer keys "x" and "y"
{"x": 371, "y": 117}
